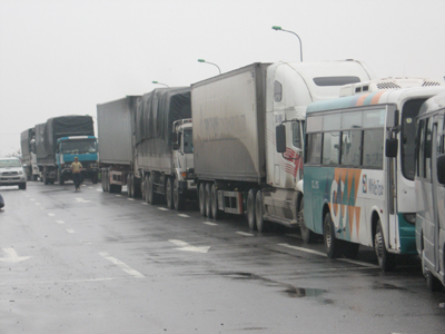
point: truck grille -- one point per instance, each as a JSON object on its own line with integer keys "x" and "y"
{"x": 10, "y": 173}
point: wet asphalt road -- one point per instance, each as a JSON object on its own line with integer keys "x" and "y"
{"x": 91, "y": 262}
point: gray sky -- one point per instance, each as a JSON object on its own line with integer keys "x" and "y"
{"x": 62, "y": 57}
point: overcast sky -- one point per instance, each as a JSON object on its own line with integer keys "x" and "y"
{"x": 62, "y": 57}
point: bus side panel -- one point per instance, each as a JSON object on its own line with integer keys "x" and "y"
{"x": 317, "y": 189}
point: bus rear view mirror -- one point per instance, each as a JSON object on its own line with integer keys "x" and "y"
{"x": 391, "y": 148}
{"x": 441, "y": 169}
{"x": 281, "y": 138}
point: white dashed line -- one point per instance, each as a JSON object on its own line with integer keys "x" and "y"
{"x": 183, "y": 215}
{"x": 244, "y": 234}
{"x": 70, "y": 231}
{"x": 130, "y": 199}
{"x": 162, "y": 209}
{"x": 60, "y": 222}
{"x": 210, "y": 223}
{"x": 123, "y": 266}
{"x": 51, "y": 214}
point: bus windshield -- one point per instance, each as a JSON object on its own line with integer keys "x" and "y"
{"x": 408, "y": 136}
{"x": 79, "y": 146}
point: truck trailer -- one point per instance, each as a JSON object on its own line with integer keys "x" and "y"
{"x": 116, "y": 125}
{"x": 164, "y": 146}
{"x": 28, "y": 150}
{"x": 237, "y": 116}
{"x": 59, "y": 140}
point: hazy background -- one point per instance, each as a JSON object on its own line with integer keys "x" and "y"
{"x": 63, "y": 57}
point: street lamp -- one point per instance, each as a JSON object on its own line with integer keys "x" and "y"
{"x": 159, "y": 83}
{"x": 277, "y": 28}
{"x": 208, "y": 62}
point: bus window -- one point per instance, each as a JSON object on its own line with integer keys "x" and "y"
{"x": 373, "y": 148}
{"x": 313, "y": 153}
{"x": 351, "y": 148}
{"x": 331, "y": 148}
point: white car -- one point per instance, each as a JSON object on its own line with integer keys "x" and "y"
{"x": 12, "y": 173}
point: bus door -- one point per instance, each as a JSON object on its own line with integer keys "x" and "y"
{"x": 437, "y": 149}
{"x": 391, "y": 190}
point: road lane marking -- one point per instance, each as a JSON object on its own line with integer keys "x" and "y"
{"x": 302, "y": 249}
{"x": 183, "y": 215}
{"x": 311, "y": 251}
{"x": 144, "y": 203}
{"x": 82, "y": 200}
{"x": 130, "y": 199}
{"x": 162, "y": 208}
{"x": 244, "y": 234}
{"x": 186, "y": 247}
{"x": 123, "y": 266}
{"x": 12, "y": 256}
{"x": 70, "y": 231}
{"x": 60, "y": 222}
{"x": 51, "y": 214}
{"x": 99, "y": 190}
{"x": 210, "y": 224}
{"x": 118, "y": 195}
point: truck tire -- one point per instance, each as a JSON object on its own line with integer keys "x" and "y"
{"x": 61, "y": 180}
{"x": 214, "y": 201}
{"x": 178, "y": 199}
{"x": 259, "y": 212}
{"x": 130, "y": 186}
{"x": 104, "y": 180}
{"x": 145, "y": 189}
{"x": 94, "y": 178}
{"x": 169, "y": 193}
{"x": 201, "y": 199}
{"x": 207, "y": 197}
{"x": 151, "y": 195}
{"x": 251, "y": 209}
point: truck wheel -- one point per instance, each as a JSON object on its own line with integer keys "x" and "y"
{"x": 251, "y": 209}
{"x": 104, "y": 180}
{"x": 61, "y": 180}
{"x": 201, "y": 199}
{"x": 306, "y": 235}
{"x": 94, "y": 178}
{"x": 386, "y": 260}
{"x": 178, "y": 199}
{"x": 169, "y": 193}
{"x": 151, "y": 195}
{"x": 130, "y": 186}
{"x": 214, "y": 201}
{"x": 144, "y": 188}
{"x": 207, "y": 198}
{"x": 259, "y": 211}
{"x": 332, "y": 245}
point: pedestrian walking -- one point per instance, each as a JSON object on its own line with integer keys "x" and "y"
{"x": 76, "y": 169}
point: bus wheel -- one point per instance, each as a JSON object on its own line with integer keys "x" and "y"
{"x": 259, "y": 211}
{"x": 251, "y": 209}
{"x": 332, "y": 245}
{"x": 432, "y": 282}
{"x": 201, "y": 199}
{"x": 386, "y": 260}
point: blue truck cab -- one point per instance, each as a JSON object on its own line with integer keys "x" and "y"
{"x": 83, "y": 147}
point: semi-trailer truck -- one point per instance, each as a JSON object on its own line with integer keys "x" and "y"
{"x": 240, "y": 166}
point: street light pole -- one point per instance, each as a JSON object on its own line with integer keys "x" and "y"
{"x": 278, "y": 28}
{"x": 159, "y": 83}
{"x": 208, "y": 62}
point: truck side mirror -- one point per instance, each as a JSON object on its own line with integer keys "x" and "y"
{"x": 391, "y": 147}
{"x": 441, "y": 169}
{"x": 281, "y": 138}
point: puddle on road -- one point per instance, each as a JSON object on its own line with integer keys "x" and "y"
{"x": 290, "y": 290}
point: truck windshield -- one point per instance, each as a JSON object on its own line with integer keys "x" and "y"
{"x": 188, "y": 141}
{"x": 10, "y": 163}
{"x": 79, "y": 146}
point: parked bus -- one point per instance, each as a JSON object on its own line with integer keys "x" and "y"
{"x": 430, "y": 188}
{"x": 359, "y": 172}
